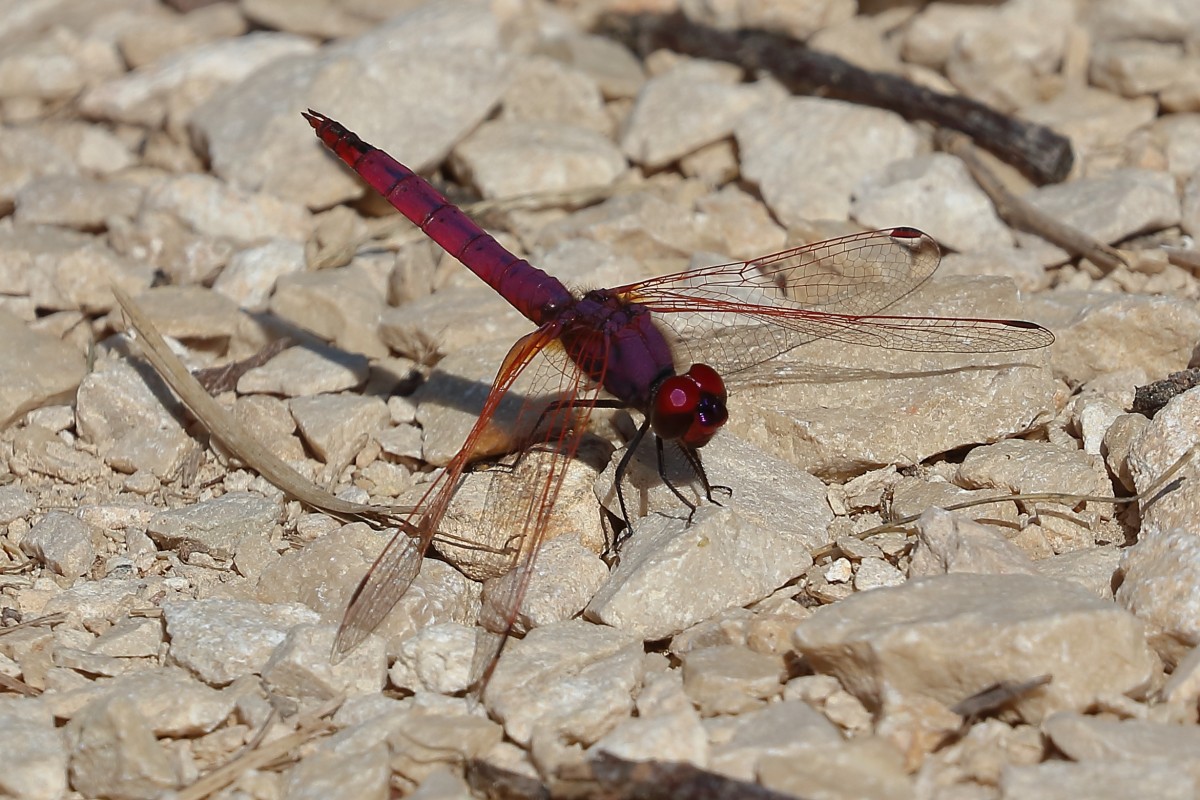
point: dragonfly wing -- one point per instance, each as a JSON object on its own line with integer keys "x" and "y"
{"x": 397, "y": 566}
{"x": 530, "y": 498}
{"x": 737, "y": 316}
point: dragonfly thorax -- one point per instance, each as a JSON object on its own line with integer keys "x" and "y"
{"x": 690, "y": 407}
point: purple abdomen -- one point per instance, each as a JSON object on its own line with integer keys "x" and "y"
{"x": 526, "y": 287}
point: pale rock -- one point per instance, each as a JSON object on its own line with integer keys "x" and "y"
{"x": 324, "y": 573}
{"x": 132, "y": 637}
{"x": 564, "y": 577}
{"x": 1096, "y": 780}
{"x": 931, "y": 37}
{"x": 35, "y": 751}
{"x": 114, "y": 753}
{"x": 1093, "y": 419}
{"x": 15, "y": 503}
{"x": 251, "y": 274}
{"x": 160, "y": 35}
{"x": 836, "y": 421}
{"x": 1109, "y": 208}
{"x": 936, "y": 194}
{"x": 53, "y": 67}
{"x": 336, "y": 426}
{"x": 213, "y": 208}
{"x": 1093, "y": 119}
{"x": 1190, "y": 209}
{"x": 301, "y": 668}
{"x": 738, "y": 555}
{"x": 667, "y": 727}
{"x": 1088, "y": 739}
{"x": 692, "y": 105}
{"x": 638, "y": 225}
{"x": 807, "y": 154}
{"x": 1101, "y": 333}
{"x": 508, "y": 158}
{"x": 436, "y": 321}
{"x": 321, "y": 19}
{"x": 949, "y": 636}
{"x": 741, "y": 553}
{"x": 839, "y": 571}
{"x": 1135, "y": 68}
{"x": 340, "y": 305}
{"x": 730, "y": 626}
{"x": 1093, "y": 568}
{"x": 731, "y": 679}
{"x": 797, "y": 20}
{"x": 141, "y": 97}
{"x": 1169, "y": 436}
{"x": 306, "y": 370}
{"x": 571, "y": 681}
{"x": 255, "y": 139}
{"x": 38, "y": 450}
{"x": 221, "y": 640}
{"x": 158, "y": 455}
{"x": 912, "y": 497}
{"x": 444, "y": 783}
{"x": 1162, "y": 587}
{"x": 62, "y": 270}
{"x": 402, "y": 441}
{"x": 74, "y": 202}
{"x": 173, "y": 703}
{"x": 741, "y": 222}
{"x": 38, "y": 369}
{"x": 1165, "y": 22}
{"x": 1023, "y": 267}
{"x": 62, "y": 542}
{"x": 95, "y": 604}
{"x": 542, "y": 89}
{"x": 617, "y": 71}
{"x": 436, "y": 659}
{"x": 272, "y": 423}
{"x": 868, "y": 766}
{"x": 434, "y": 738}
{"x": 26, "y": 154}
{"x": 326, "y": 775}
{"x": 983, "y": 64}
{"x": 1025, "y": 467}
{"x": 1181, "y": 692}
{"x": 215, "y": 526}
{"x": 873, "y": 573}
{"x": 787, "y": 728}
{"x": 947, "y": 543}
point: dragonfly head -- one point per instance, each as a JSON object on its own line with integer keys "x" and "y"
{"x": 690, "y": 407}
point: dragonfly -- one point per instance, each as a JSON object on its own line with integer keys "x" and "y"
{"x": 623, "y": 348}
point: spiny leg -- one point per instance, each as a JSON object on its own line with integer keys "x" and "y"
{"x": 693, "y": 458}
{"x": 619, "y": 476}
{"x": 662, "y": 473}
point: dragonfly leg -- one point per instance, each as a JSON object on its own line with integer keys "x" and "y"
{"x": 619, "y": 477}
{"x": 662, "y": 473}
{"x": 693, "y": 458}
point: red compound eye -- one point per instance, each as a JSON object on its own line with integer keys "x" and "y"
{"x": 708, "y": 380}
{"x": 690, "y": 407}
{"x": 675, "y": 406}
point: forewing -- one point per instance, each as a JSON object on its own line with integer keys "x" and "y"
{"x": 397, "y": 566}
{"x": 736, "y": 316}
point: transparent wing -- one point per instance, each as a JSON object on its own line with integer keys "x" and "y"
{"x": 397, "y": 566}
{"x": 530, "y": 499}
{"x": 736, "y": 316}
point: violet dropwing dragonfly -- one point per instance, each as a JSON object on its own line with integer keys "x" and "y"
{"x": 623, "y": 347}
